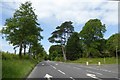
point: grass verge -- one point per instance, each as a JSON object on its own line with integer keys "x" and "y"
{"x": 15, "y": 67}
{"x": 107, "y": 60}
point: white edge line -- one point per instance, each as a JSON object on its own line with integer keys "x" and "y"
{"x": 61, "y": 72}
{"x": 94, "y": 72}
{"x": 91, "y": 75}
{"x": 72, "y": 78}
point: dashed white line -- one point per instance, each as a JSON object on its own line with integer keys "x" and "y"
{"x": 42, "y": 64}
{"x": 94, "y": 72}
{"x": 72, "y": 78}
{"x": 53, "y": 66}
{"x": 100, "y": 69}
{"x": 61, "y": 72}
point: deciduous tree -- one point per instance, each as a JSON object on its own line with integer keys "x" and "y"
{"x": 22, "y": 29}
{"x": 92, "y": 32}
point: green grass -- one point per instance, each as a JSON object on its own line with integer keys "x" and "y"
{"x": 111, "y": 60}
{"x": 14, "y": 67}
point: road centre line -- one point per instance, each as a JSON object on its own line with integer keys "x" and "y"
{"x": 53, "y": 66}
{"x": 61, "y": 72}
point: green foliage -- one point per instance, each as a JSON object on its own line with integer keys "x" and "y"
{"x": 55, "y": 51}
{"x": 8, "y": 56}
{"x": 91, "y": 33}
{"x": 107, "y": 60}
{"x": 59, "y": 59}
{"x": 15, "y": 67}
{"x": 113, "y": 44}
{"x": 22, "y": 29}
{"x": 61, "y": 35}
{"x": 73, "y": 48}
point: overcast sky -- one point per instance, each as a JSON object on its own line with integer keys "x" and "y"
{"x": 51, "y": 13}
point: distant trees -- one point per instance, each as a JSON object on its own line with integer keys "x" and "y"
{"x": 61, "y": 35}
{"x": 22, "y": 30}
{"x": 91, "y": 34}
{"x": 55, "y": 52}
{"x": 113, "y": 44}
{"x": 73, "y": 47}
{"x": 88, "y": 43}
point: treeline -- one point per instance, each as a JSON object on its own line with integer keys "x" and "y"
{"x": 89, "y": 42}
{"x": 23, "y": 31}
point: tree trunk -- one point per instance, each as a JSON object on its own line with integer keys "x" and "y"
{"x": 64, "y": 53}
{"x": 24, "y": 49}
{"x": 29, "y": 52}
{"x": 20, "y": 50}
{"x": 15, "y": 52}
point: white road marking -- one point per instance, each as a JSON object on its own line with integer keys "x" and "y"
{"x": 94, "y": 72}
{"x": 99, "y": 69}
{"x": 61, "y": 72}
{"x": 48, "y": 76}
{"x": 30, "y": 76}
{"x": 72, "y": 78}
{"x": 91, "y": 75}
{"x": 56, "y": 64}
{"x": 53, "y": 66}
{"x": 42, "y": 64}
{"x": 107, "y": 70}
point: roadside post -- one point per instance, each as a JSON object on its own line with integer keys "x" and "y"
{"x": 87, "y": 63}
{"x": 99, "y": 63}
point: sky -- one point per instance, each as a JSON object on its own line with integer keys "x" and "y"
{"x": 52, "y": 13}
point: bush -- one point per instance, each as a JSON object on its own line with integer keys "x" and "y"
{"x": 59, "y": 59}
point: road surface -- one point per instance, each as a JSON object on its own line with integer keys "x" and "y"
{"x": 51, "y": 70}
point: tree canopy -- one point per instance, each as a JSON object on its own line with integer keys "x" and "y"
{"x": 113, "y": 44}
{"x": 73, "y": 47}
{"x": 61, "y": 35}
{"x": 55, "y": 51}
{"x": 90, "y": 34}
{"x": 22, "y": 29}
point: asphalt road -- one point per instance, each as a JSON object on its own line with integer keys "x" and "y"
{"x": 50, "y": 70}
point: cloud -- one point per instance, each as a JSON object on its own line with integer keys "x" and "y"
{"x": 52, "y": 13}
{"x": 75, "y": 10}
